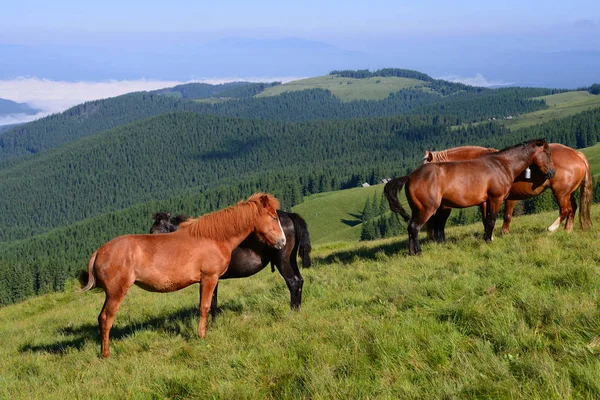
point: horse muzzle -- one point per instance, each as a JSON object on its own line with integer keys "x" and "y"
{"x": 550, "y": 174}
{"x": 280, "y": 244}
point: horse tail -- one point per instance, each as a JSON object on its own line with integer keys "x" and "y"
{"x": 585, "y": 195}
{"x": 391, "y": 193}
{"x": 87, "y": 279}
{"x": 302, "y": 238}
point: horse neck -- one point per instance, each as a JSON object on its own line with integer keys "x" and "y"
{"x": 514, "y": 163}
{"x": 230, "y": 226}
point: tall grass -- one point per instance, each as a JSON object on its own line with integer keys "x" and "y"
{"x": 519, "y": 318}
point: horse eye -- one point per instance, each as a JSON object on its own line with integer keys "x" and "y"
{"x": 274, "y": 218}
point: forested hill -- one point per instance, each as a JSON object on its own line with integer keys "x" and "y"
{"x": 164, "y": 155}
{"x": 96, "y": 116}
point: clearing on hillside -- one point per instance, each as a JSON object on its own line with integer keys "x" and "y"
{"x": 348, "y": 89}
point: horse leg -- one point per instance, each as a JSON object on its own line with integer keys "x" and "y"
{"x": 490, "y": 220}
{"x": 566, "y": 208}
{"x": 107, "y": 316}
{"x": 213, "y": 303}
{"x": 483, "y": 211}
{"x": 441, "y": 216}
{"x": 509, "y": 207}
{"x": 287, "y": 265}
{"x": 207, "y": 287}
{"x": 415, "y": 224}
{"x": 571, "y": 217}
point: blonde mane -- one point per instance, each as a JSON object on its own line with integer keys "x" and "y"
{"x": 231, "y": 221}
{"x": 447, "y": 155}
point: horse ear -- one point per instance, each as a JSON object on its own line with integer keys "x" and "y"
{"x": 264, "y": 200}
{"x": 540, "y": 142}
{"x": 168, "y": 215}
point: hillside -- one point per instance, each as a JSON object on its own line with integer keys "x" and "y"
{"x": 348, "y": 89}
{"x": 467, "y": 104}
{"x": 561, "y": 105}
{"x": 514, "y": 319}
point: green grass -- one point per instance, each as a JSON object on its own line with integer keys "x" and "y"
{"x": 336, "y": 216}
{"x": 519, "y": 318}
{"x": 348, "y": 89}
{"x": 593, "y": 155}
{"x": 560, "y": 106}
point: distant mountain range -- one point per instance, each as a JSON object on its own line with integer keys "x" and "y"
{"x": 8, "y": 107}
{"x": 243, "y": 58}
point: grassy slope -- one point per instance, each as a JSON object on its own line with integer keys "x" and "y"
{"x": 561, "y": 105}
{"x": 358, "y": 89}
{"x": 593, "y": 155}
{"x": 515, "y": 319}
{"x": 335, "y": 216}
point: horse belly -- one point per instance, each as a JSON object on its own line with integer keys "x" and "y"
{"x": 166, "y": 279}
{"x": 244, "y": 263}
{"x": 462, "y": 198}
{"x": 525, "y": 190}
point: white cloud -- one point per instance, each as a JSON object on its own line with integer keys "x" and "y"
{"x": 57, "y": 96}
{"x": 477, "y": 80}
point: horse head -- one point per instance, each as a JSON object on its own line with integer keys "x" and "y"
{"x": 162, "y": 223}
{"x": 267, "y": 226}
{"x": 542, "y": 158}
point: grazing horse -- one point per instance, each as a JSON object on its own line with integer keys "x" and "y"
{"x": 572, "y": 171}
{"x": 199, "y": 251}
{"x": 486, "y": 179}
{"x": 252, "y": 255}
{"x": 163, "y": 223}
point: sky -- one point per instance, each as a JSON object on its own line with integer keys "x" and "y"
{"x": 460, "y": 40}
{"x": 317, "y": 19}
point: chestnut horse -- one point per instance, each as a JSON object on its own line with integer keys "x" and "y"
{"x": 253, "y": 255}
{"x": 199, "y": 251}
{"x": 486, "y": 179}
{"x": 572, "y": 171}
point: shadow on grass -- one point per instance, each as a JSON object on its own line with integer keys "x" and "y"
{"x": 91, "y": 332}
{"x": 399, "y": 246}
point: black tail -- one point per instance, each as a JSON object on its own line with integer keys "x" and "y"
{"x": 302, "y": 238}
{"x": 391, "y": 193}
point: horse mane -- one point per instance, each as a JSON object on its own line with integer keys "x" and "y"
{"x": 524, "y": 144}
{"x": 231, "y": 221}
{"x": 442, "y": 155}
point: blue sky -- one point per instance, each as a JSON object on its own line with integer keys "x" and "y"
{"x": 58, "y": 53}
{"x": 72, "y": 21}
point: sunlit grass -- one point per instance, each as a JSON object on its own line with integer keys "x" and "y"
{"x": 518, "y": 318}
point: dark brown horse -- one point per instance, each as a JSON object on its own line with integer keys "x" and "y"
{"x": 486, "y": 179}
{"x": 572, "y": 171}
{"x": 199, "y": 251}
{"x": 253, "y": 255}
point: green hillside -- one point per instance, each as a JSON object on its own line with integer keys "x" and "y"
{"x": 517, "y": 318}
{"x": 348, "y": 89}
{"x": 561, "y": 105}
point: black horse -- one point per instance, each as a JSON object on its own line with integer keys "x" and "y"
{"x": 252, "y": 255}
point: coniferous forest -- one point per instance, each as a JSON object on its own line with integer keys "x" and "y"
{"x": 74, "y": 180}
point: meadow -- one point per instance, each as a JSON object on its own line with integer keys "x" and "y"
{"x": 561, "y": 105}
{"x": 519, "y": 318}
{"x": 348, "y": 89}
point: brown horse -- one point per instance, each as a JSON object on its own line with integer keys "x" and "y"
{"x": 199, "y": 251}
{"x": 486, "y": 179}
{"x": 253, "y": 255}
{"x": 572, "y": 171}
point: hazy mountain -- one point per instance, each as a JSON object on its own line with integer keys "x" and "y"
{"x": 8, "y": 107}
{"x": 232, "y": 57}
